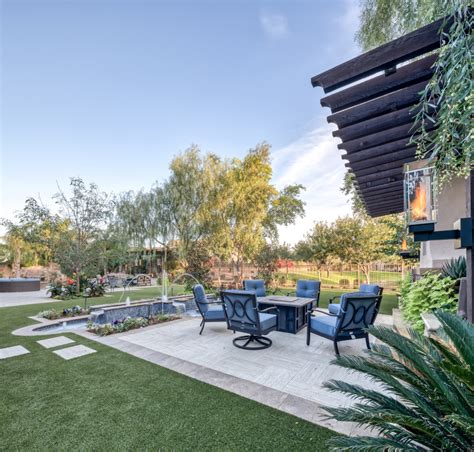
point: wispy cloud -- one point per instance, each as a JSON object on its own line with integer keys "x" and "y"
{"x": 274, "y": 25}
{"x": 315, "y": 162}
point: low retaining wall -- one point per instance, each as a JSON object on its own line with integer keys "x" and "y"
{"x": 109, "y": 314}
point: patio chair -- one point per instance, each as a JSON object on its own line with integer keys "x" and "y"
{"x": 307, "y": 288}
{"x": 357, "y": 312}
{"x": 242, "y": 314}
{"x": 333, "y": 308}
{"x": 211, "y": 311}
{"x": 256, "y": 285}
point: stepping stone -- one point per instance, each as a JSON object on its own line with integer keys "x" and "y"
{"x": 74, "y": 352}
{"x": 10, "y": 352}
{"x": 55, "y": 341}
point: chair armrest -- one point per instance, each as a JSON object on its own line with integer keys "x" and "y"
{"x": 269, "y": 309}
{"x": 333, "y": 298}
{"x": 322, "y": 312}
{"x": 211, "y": 302}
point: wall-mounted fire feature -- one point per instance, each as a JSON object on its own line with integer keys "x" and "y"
{"x": 420, "y": 196}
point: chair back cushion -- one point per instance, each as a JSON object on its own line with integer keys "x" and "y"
{"x": 371, "y": 288}
{"x": 257, "y": 285}
{"x": 200, "y": 298}
{"x": 241, "y": 310}
{"x": 358, "y": 311}
{"x": 307, "y": 288}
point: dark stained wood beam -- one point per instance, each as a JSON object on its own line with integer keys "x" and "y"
{"x": 380, "y": 168}
{"x": 376, "y": 107}
{"x": 377, "y": 207}
{"x": 377, "y": 151}
{"x": 380, "y": 182}
{"x": 384, "y": 212}
{"x": 373, "y": 176}
{"x": 382, "y": 58}
{"x": 405, "y": 155}
{"x": 378, "y": 124}
{"x": 389, "y": 193}
{"x": 377, "y": 139}
{"x": 378, "y": 189}
{"x": 383, "y": 84}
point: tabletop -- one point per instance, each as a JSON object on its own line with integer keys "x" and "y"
{"x": 280, "y": 300}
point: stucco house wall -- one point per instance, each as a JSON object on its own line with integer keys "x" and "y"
{"x": 452, "y": 205}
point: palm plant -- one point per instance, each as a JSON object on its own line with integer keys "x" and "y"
{"x": 428, "y": 398}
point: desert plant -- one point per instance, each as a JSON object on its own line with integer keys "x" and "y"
{"x": 428, "y": 396}
{"x": 455, "y": 268}
{"x": 429, "y": 293}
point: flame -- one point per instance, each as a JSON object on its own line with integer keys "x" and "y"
{"x": 404, "y": 245}
{"x": 418, "y": 204}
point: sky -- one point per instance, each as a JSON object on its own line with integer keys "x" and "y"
{"x": 111, "y": 90}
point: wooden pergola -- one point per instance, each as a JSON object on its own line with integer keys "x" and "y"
{"x": 375, "y": 117}
{"x": 373, "y": 100}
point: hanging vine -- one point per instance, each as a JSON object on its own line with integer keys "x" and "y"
{"x": 448, "y": 99}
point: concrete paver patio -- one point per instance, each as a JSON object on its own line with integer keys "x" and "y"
{"x": 288, "y": 376}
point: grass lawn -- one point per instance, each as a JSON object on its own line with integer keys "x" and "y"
{"x": 335, "y": 277}
{"x": 113, "y": 401}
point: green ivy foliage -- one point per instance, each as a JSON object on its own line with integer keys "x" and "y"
{"x": 429, "y": 293}
{"x": 448, "y": 99}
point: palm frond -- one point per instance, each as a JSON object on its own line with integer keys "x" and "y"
{"x": 427, "y": 384}
{"x": 368, "y": 444}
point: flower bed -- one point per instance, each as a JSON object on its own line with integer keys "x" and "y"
{"x": 129, "y": 323}
{"x": 75, "y": 311}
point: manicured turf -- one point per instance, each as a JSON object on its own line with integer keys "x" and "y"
{"x": 112, "y": 401}
{"x": 334, "y": 278}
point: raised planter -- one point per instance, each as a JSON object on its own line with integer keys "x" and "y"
{"x": 19, "y": 284}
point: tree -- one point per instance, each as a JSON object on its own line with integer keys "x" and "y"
{"x": 33, "y": 237}
{"x": 245, "y": 208}
{"x": 384, "y": 20}
{"x": 86, "y": 211}
{"x": 186, "y": 193}
{"x": 360, "y": 242}
{"x": 318, "y": 245}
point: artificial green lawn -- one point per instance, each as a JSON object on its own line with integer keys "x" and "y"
{"x": 110, "y": 400}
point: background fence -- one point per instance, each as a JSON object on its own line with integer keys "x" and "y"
{"x": 388, "y": 276}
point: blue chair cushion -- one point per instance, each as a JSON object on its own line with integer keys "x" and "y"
{"x": 255, "y": 285}
{"x": 267, "y": 321}
{"x": 333, "y": 308}
{"x": 307, "y": 288}
{"x": 324, "y": 324}
{"x": 369, "y": 288}
{"x": 214, "y": 312}
{"x": 200, "y": 297}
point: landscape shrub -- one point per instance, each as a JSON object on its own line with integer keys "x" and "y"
{"x": 62, "y": 291}
{"x": 94, "y": 288}
{"x": 128, "y": 323}
{"x": 433, "y": 291}
{"x": 344, "y": 282}
{"x": 74, "y": 311}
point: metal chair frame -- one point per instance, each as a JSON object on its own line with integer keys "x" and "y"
{"x": 255, "y": 339}
{"x": 358, "y": 313}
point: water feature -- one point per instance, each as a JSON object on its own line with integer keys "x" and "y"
{"x": 70, "y": 325}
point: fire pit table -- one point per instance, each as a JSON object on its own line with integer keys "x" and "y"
{"x": 292, "y": 311}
